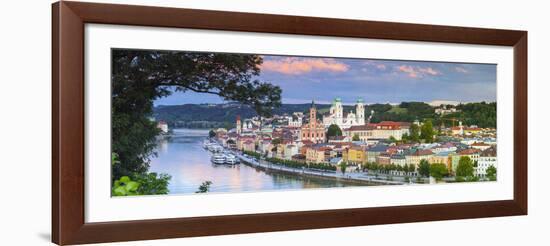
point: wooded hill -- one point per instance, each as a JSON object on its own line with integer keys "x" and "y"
{"x": 223, "y": 115}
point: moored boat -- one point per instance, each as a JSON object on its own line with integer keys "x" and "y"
{"x": 231, "y": 159}
{"x": 215, "y": 148}
{"x": 218, "y": 158}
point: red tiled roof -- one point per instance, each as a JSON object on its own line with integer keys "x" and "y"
{"x": 307, "y": 142}
{"x": 469, "y": 151}
{"x": 423, "y": 152}
{"x": 390, "y": 123}
{"x": 490, "y": 152}
{"x": 480, "y": 144}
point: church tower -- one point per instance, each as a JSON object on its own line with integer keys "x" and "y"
{"x": 239, "y": 126}
{"x": 339, "y": 111}
{"x": 360, "y": 111}
{"x": 312, "y": 114}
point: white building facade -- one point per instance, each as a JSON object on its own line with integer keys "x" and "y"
{"x": 487, "y": 159}
{"x": 336, "y": 115}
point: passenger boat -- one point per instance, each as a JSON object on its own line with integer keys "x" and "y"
{"x": 206, "y": 143}
{"x": 218, "y": 158}
{"x": 231, "y": 159}
{"x": 215, "y": 148}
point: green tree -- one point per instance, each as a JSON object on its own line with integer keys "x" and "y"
{"x": 125, "y": 187}
{"x": 276, "y": 141}
{"x": 333, "y": 130}
{"x": 438, "y": 170}
{"x": 343, "y": 167}
{"x": 405, "y": 138}
{"x": 412, "y": 168}
{"x": 152, "y": 183}
{"x": 204, "y": 187}
{"x": 114, "y": 159}
{"x": 399, "y": 168}
{"x": 356, "y": 138}
{"x": 492, "y": 173}
{"x": 465, "y": 168}
{"x": 415, "y": 135}
{"x": 139, "y": 77}
{"x": 481, "y": 114}
{"x": 392, "y": 139}
{"x": 424, "y": 168}
{"x": 211, "y": 133}
{"x": 427, "y": 131}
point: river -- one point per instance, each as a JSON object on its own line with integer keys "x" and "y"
{"x": 183, "y": 157}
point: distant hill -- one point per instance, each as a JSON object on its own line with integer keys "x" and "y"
{"x": 224, "y": 115}
{"x": 217, "y": 114}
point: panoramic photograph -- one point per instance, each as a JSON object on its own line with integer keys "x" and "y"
{"x": 188, "y": 122}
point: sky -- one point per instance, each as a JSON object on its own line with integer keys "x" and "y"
{"x": 303, "y": 79}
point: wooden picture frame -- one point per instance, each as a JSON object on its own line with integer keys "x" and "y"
{"x": 68, "y": 121}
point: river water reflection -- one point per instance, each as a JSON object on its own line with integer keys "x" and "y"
{"x": 183, "y": 157}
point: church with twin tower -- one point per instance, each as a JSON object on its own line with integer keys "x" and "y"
{"x": 345, "y": 120}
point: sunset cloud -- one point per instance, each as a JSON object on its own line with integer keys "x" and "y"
{"x": 295, "y": 66}
{"x": 374, "y": 64}
{"x": 417, "y": 72}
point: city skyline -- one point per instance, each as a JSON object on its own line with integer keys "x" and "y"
{"x": 303, "y": 79}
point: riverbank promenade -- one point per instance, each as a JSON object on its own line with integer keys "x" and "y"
{"x": 350, "y": 176}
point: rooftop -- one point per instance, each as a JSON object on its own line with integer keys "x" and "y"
{"x": 423, "y": 152}
{"x": 469, "y": 151}
{"x": 378, "y": 148}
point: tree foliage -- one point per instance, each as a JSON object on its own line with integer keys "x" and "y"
{"x": 465, "y": 168}
{"x": 482, "y": 114}
{"x": 152, "y": 183}
{"x": 424, "y": 168}
{"x": 204, "y": 187}
{"x": 355, "y": 137}
{"x": 407, "y": 111}
{"x": 438, "y": 170}
{"x": 415, "y": 133}
{"x": 427, "y": 131}
{"x": 334, "y": 130}
{"x": 492, "y": 173}
{"x": 276, "y": 141}
{"x": 139, "y": 77}
{"x": 141, "y": 184}
{"x": 125, "y": 187}
{"x": 343, "y": 167}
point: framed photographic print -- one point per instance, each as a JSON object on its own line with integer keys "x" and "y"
{"x": 176, "y": 122}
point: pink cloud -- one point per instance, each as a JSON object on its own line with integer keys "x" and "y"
{"x": 375, "y": 64}
{"x": 461, "y": 70}
{"x": 416, "y": 72}
{"x": 408, "y": 70}
{"x": 429, "y": 70}
{"x": 295, "y": 66}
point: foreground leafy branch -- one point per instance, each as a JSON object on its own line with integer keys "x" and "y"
{"x": 139, "y": 77}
